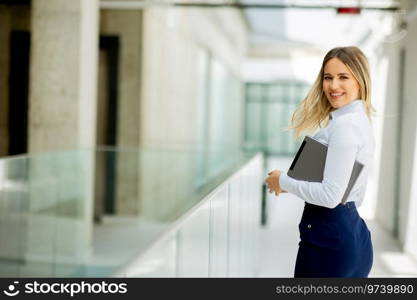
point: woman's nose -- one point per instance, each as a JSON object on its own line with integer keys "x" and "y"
{"x": 334, "y": 84}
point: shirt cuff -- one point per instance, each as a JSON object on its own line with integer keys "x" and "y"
{"x": 285, "y": 182}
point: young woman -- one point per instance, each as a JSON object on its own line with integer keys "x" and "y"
{"x": 335, "y": 241}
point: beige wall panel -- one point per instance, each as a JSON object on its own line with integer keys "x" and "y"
{"x": 128, "y": 26}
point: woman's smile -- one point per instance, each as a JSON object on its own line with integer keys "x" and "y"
{"x": 336, "y": 95}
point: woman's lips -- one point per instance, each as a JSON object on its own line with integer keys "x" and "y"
{"x": 336, "y": 95}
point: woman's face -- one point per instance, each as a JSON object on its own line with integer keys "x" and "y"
{"x": 339, "y": 85}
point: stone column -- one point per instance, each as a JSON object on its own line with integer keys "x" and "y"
{"x": 62, "y": 116}
{"x": 63, "y": 74}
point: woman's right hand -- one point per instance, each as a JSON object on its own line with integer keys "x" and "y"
{"x": 272, "y": 182}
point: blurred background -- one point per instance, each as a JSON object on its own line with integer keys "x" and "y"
{"x": 135, "y": 136}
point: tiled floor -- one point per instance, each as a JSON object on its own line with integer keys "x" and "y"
{"x": 279, "y": 239}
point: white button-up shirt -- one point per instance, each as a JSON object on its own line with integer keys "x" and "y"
{"x": 349, "y": 136}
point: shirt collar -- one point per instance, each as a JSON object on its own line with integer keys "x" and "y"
{"x": 355, "y": 105}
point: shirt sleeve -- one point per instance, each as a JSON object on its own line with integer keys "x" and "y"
{"x": 342, "y": 150}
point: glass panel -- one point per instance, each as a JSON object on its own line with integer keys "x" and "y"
{"x": 255, "y": 136}
{"x": 87, "y": 213}
{"x": 42, "y": 200}
{"x": 235, "y": 230}
{"x": 13, "y": 212}
{"x": 219, "y": 233}
{"x": 194, "y": 244}
{"x": 269, "y": 108}
{"x": 160, "y": 262}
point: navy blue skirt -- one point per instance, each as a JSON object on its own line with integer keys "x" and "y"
{"x": 334, "y": 243}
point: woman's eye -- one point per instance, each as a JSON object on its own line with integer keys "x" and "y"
{"x": 344, "y": 77}
{"x": 327, "y": 78}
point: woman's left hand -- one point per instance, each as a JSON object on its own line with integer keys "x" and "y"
{"x": 272, "y": 182}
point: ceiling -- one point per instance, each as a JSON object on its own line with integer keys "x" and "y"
{"x": 282, "y": 25}
{"x": 314, "y": 28}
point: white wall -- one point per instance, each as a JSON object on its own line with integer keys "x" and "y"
{"x": 409, "y": 126}
{"x": 387, "y": 99}
{"x": 396, "y": 177}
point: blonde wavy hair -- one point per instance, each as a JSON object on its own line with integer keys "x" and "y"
{"x": 313, "y": 112}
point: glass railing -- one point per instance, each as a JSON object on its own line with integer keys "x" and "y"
{"x": 218, "y": 237}
{"x": 87, "y": 213}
